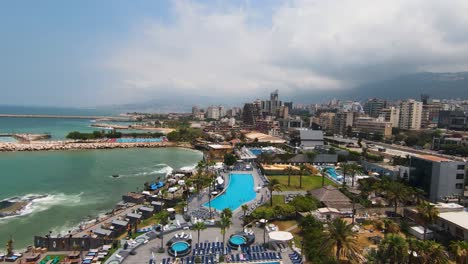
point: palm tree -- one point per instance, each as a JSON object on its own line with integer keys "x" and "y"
{"x": 224, "y": 224}
{"x": 244, "y": 208}
{"x": 341, "y": 238}
{"x": 272, "y": 186}
{"x": 227, "y": 212}
{"x": 428, "y": 251}
{"x": 391, "y": 227}
{"x": 288, "y": 171}
{"x": 345, "y": 167}
{"x": 163, "y": 220}
{"x": 199, "y": 226}
{"x": 302, "y": 170}
{"x": 396, "y": 192}
{"x": 323, "y": 171}
{"x": 393, "y": 249}
{"x": 428, "y": 213}
{"x": 354, "y": 169}
{"x": 459, "y": 249}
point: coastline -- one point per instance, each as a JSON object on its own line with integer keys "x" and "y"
{"x": 72, "y": 145}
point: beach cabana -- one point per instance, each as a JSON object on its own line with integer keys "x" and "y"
{"x": 102, "y": 232}
{"x": 146, "y": 211}
{"x": 280, "y": 236}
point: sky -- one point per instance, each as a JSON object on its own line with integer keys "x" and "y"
{"x": 90, "y": 53}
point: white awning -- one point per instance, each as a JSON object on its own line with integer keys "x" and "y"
{"x": 220, "y": 180}
{"x": 170, "y": 209}
{"x": 280, "y": 236}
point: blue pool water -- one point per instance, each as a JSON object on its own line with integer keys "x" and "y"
{"x": 138, "y": 140}
{"x": 237, "y": 240}
{"x": 179, "y": 246}
{"x": 256, "y": 152}
{"x": 332, "y": 172}
{"x": 239, "y": 191}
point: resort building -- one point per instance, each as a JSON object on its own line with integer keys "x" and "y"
{"x": 441, "y": 179}
{"x": 410, "y": 115}
{"x": 217, "y": 151}
{"x": 261, "y": 137}
{"x": 331, "y": 197}
{"x": 310, "y": 138}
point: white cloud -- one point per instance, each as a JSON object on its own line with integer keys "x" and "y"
{"x": 309, "y": 45}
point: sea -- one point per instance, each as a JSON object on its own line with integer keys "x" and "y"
{"x": 66, "y": 188}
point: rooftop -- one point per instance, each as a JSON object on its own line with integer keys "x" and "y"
{"x": 433, "y": 158}
{"x": 457, "y": 218}
{"x": 218, "y": 146}
{"x": 311, "y": 134}
{"x": 119, "y": 222}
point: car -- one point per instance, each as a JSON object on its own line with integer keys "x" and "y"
{"x": 133, "y": 253}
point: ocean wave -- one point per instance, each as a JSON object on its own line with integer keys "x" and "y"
{"x": 189, "y": 167}
{"x": 156, "y": 169}
{"x": 35, "y": 203}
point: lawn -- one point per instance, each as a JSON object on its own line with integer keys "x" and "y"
{"x": 278, "y": 200}
{"x": 308, "y": 182}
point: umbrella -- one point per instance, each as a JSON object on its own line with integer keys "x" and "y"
{"x": 280, "y": 235}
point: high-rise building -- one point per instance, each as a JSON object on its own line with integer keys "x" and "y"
{"x": 222, "y": 111}
{"x": 392, "y": 115}
{"x": 327, "y": 120}
{"x": 430, "y": 114}
{"x": 250, "y": 114}
{"x": 212, "y": 112}
{"x": 410, "y": 114}
{"x": 373, "y": 107}
{"x": 272, "y": 106}
{"x": 343, "y": 120}
{"x": 289, "y": 105}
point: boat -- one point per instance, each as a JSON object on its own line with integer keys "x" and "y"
{"x": 115, "y": 175}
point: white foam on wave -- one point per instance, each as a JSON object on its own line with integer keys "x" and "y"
{"x": 156, "y": 169}
{"x": 189, "y": 167}
{"x": 39, "y": 202}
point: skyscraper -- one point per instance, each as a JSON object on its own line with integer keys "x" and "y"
{"x": 410, "y": 114}
{"x": 250, "y": 114}
{"x": 373, "y": 107}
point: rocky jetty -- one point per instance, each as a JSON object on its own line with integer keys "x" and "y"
{"x": 70, "y": 145}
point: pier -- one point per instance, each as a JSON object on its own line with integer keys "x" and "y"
{"x": 108, "y": 118}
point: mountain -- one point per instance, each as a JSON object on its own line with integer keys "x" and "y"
{"x": 436, "y": 85}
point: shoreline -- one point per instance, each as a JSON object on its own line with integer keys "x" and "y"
{"x": 71, "y": 145}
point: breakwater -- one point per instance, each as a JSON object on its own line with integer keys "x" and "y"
{"x": 67, "y": 145}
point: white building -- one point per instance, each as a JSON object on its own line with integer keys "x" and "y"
{"x": 392, "y": 115}
{"x": 212, "y": 112}
{"x": 410, "y": 114}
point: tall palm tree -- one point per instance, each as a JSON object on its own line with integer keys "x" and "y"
{"x": 163, "y": 220}
{"x": 323, "y": 171}
{"x": 289, "y": 171}
{"x": 396, "y": 192}
{"x": 346, "y": 168}
{"x": 427, "y": 251}
{"x": 224, "y": 224}
{"x": 341, "y": 238}
{"x": 227, "y": 212}
{"x": 302, "y": 170}
{"x": 272, "y": 186}
{"x": 354, "y": 169}
{"x": 428, "y": 213}
{"x": 459, "y": 249}
{"x": 199, "y": 226}
{"x": 244, "y": 208}
{"x": 393, "y": 249}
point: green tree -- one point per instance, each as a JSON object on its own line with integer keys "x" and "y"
{"x": 244, "y": 208}
{"x": 224, "y": 224}
{"x": 163, "y": 221}
{"x": 323, "y": 171}
{"x": 289, "y": 171}
{"x": 341, "y": 238}
{"x": 229, "y": 159}
{"x": 199, "y": 226}
{"x": 272, "y": 186}
{"x": 428, "y": 213}
{"x": 227, "y": 212}
{"x": 427, "y": 251}
{"x": 393, "y": 249}
{"x": 345, "y": 167}
{"x": 459, "y": 251}
{"x": 302, "y": 170}
{"x": 396, "y": 192}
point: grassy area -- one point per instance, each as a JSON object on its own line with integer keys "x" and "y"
{"x": 308, "y": 182}
{"x": 150, "y": 221}
{"x": 278, "y": 199}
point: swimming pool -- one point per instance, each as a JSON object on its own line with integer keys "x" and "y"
{"x": 138, "y": 140}
{"x": 239, "y": 191}
{"x": 332, "y": 172}
{"x": 256, "y": 152}
{"x": 238, "y": 240}
{"x": 180, "y": 246}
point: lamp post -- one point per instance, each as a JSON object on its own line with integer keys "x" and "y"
{"x": 264, "y": 232}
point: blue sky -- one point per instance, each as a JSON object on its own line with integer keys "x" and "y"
{"x": 88, "y": 53}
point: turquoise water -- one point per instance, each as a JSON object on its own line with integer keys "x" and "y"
{"x": 237, "y": 240}
{"x": 332, "y": 172}
{"x": 179, "y": 246}
{"x": 7, "y": 139}
{"x": 138, "y": 140}
{"x": 239, "y": 191}
{"x": 77, "y": 184}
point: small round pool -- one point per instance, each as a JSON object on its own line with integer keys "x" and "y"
{"x": 180, "y": 246}
{"x": 238, "y": 240}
